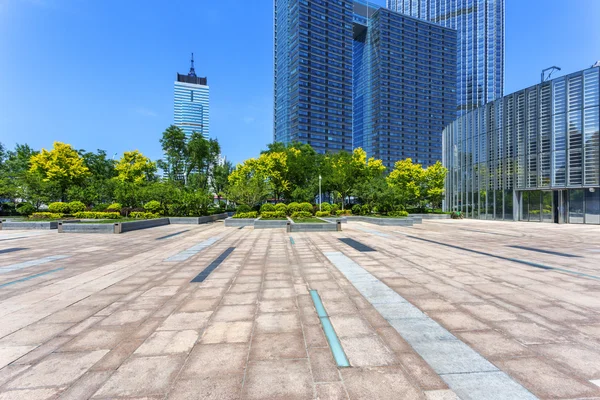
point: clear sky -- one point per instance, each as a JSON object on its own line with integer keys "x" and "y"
{"x": 99, "y": 74}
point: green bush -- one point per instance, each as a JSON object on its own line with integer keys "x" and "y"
{"x": 249, "y": 214}
{"x": 326, "y": 207}
{"x": 301, "y": 214}
{"x": 46, "y": 215}
{"x": 59, "y": 207}
{"x": 272, "y": 214}
{"x": 356, "y": 209}
{"x": 365, "y": 210}
{"x": 281, "y": 207}
{"x": 242, "y": 208}
{"x": 25, "y": 209}
{"x": 153, "y": 206}
{"x": 143, "y": 215}
{"x": 306, "y": 207}
{"x": 114, "y": 207}
{"x": 322, "y": 214}
{"x": 334, "y": 208}
{"x": 76, "y": 206}
{"x": 97, "y": 215}
{"x": 100, "y": 207}
{"x": 267, "y": 207}
{"x": 343, "y": 212}
{"x": 398, "y": 213}
{"x": 293, "y": 207}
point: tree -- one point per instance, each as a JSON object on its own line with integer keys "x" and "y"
{"x": 175, "y": 147}
{"x": 62, "y": 165}
{"x": 274, "y": 167}
{"x": 407, "y": 182}
{"x": 433, "y": 184}
{"x": 219, "y": 178}
{"x": 134, "y": 167}
{"x": 247, "y": 184}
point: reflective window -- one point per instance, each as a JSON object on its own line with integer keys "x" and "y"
{"x": 576, "y": 206}
{"x": 592, "y": 206}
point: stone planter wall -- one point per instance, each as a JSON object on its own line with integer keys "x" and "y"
{"x": 237, "y": 222}
{"x": 431, "y": 216}
{"x": 383, "y": 221}
{"x": 37, "y": 225}
{"x": 197, "y": 220}
{"x": 268, "y": 224}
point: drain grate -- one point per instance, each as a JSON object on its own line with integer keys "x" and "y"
{"x": 332, "y": 338}
{"x": 172, "y": 234}
{"x": 204, "y": 274}
{"x": 356, "y": 245}
{"x": 11, "y": 250}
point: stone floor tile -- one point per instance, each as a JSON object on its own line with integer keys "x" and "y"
{"x": 367, "y": 351}
{"x": 240, "y": 298}
{"x": 86, "y": 386}
{"x": 323, "y": 366}
{"x": 225, "y": 387}
{"x": 168, "y": 342}
{"x": 125, "y": 317}
{"x": 30, "y": 394}
{"x": 268, "y": 346}
{"x": 493, "y": 344}
{"x": 12, "y": 353}
{"x": 441, "y": 395}
{"x": 277, "y": 323}
{"x": 279, "y": 305}
{"x": 10, "y": 371}
{"x": 379, "y": 383}
{"x": 529, "y": 333}
{"x": 234, "y": 313}
{"x": 184, "y": 321}
{"x": 457, "y": 321}
{"x": 420, "y": 372}
{"x": 278, "y": 379}
{"x": 215, "y": 360}
{"x": 142, "y": 376}
{"x": 95, "y": 339}
{"x": 496, "y": 386}
{"x": 331, "y": 391}
{"x": 227, "y": 332}
{"x": 584, "y": 360}
{"x": 350, "y": 326}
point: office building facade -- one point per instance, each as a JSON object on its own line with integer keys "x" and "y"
{"x": 349, "y": 74}
{"x": 404, "y": 85}
{"x": 480, "y": 58}
{"x": 191, "y": 103}
{"x": 533, "y": 155}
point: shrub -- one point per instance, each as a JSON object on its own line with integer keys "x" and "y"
{"x": 306, "y": 207}
{"x": 97, "y": 215}
{"x": 356, "y": 209}
{"x": 267, "y": 207}
{"x": 343, "y": 212}
{"x": 46, "y": 215}
{"x": 322, "y": 214}
{"x": 398, "y": 213}
{"x": 153, "y": 206}
{"x": 59, "y": 207}
{"x": 242, "y": 208}
{"x": 334, "y": 208}
{"x": 76, "y": 206}
{"x": 114, "y": 207}
{"x": 249, "y": 214}
{"x": 100, "y": 207}
{"x": 281, "y": 207}
{"x": 272, "y": 214}
{"x": 143, "y": 215}
{"x": 25, "y": 209}
{"x": 365, "y": 210}
{"x": 301, "y": 214}
{"x": 326, "y": 207}
{"x": 293, "y": 207}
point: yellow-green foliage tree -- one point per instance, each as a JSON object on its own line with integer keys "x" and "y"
{"x": 406, "y": 180}
{"x": 248, "y": 183}
{"x": 62, "y": 166}
{"x": 274, "y": 167}
{"x": 434, "y": 177}
{"x": 134, "y": 167}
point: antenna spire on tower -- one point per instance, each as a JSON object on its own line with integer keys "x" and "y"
{"x": 192, "y": 70}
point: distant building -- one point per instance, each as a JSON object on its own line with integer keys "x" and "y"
{"x": 191, "y": 103}
{"x": 533, "y": 155}
{"x": 349, "y": 74}
{"x": 480, "y": 27}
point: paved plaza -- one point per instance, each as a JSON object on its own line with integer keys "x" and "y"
{"x": 441, "y": 310}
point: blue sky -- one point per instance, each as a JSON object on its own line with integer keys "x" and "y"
{"x": 99, "y": 74}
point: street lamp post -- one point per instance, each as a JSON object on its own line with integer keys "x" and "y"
{"x": 320, "y": 198}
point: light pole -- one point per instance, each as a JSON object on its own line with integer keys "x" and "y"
{"x": 320, "y": 198}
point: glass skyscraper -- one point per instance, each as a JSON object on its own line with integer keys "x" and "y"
{"x": 480, "y": 27}
{"x": 349, "y": 74}
{"x": 191, "y": 103}
{"x": 533, "y": 155}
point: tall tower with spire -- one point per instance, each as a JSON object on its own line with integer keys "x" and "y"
{"x": 191, "y": 102}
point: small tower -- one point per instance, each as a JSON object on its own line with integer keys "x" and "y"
{"x": 192, "y": 70}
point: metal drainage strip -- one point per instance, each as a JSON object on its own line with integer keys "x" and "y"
{"x": 31, "y": 277}
{"x": 12, "y": 249}
{"x": 171, "y": 235}
{"x": 465, "y": 371}
{"x": 356, "y": 245}
{"x": 32, "y": 263}
{"x": 204, "y": 274}
{"x": 334, "y": 342}
{"x": 192, "y": 251}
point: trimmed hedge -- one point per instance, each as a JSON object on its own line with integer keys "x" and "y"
{"x": 343, "y": 212}
{"x": 242, "y": 208}
{"x": 398, "y": 214}
{"x": 272, "y": 214}
{"x": 249, "y": 214}
{"x": 301, "y": 214}
{"x": 281, "y": 207}
{"x": 46, "y": 215}
{"x": 76, "y": 206}
{"x": 153, "y": 206}
{"x": 356, "y": 209}
{"x": 322, "y": 214}
{"x": 97, "y": 215}
{"x": 143, "y": 215}
{"x": 326, "y": 207}
{"x": 114, "y": 207}
{"x": 306, "y": 207}
{"x": 293, "y": 207}
{"x": 267, "y": 207}
{"x": 59, "y": 207}
{"x": 25, "y": 208}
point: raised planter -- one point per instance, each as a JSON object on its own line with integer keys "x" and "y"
{"x": 326, "y": 226}
{"x": 23, "y": 225}
{"x": 135, "y": 225}
{"x": 116, "y": 227}
{"x": 270, "y": 223}
{"x": 343, "y": 219}
{"x": 406, "y": 221}
{"x": 431, "y": 216}
{"x": 197, "y": 220}
{"x": 237, "y": 222}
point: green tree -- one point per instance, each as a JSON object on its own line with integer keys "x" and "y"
{"x": 247, "y": 184}
{"x": 433, "y": 184}
{"x": 134, "y": 167}
{"x": 62, "y": 166}
{"x": 407, "y": 182}
{"x": 219, "y": 178}
{"x": 175, "y": 147}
